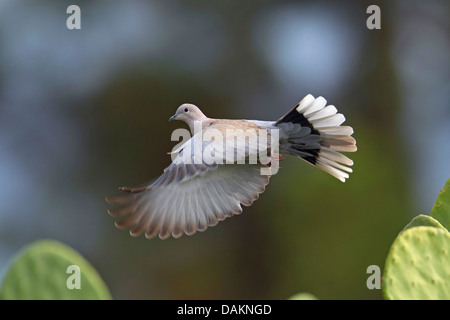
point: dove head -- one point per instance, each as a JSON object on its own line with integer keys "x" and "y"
{"x": 188, "y": 113}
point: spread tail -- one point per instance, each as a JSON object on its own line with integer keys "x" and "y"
{"x": 314, "y": 133}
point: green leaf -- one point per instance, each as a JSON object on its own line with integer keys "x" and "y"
{"x": 441, "y": 208}
{"x": 417, "y": 265}
{"x": 303, "y": 296}
{"x": 41, "y": 272}
{"x": 423, "y": 220}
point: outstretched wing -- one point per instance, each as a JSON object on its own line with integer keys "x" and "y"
{"x": 189, "y": 196}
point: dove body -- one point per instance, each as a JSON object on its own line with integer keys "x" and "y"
{"x": 193, "y": 194}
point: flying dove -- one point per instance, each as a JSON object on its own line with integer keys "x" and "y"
{"x": 199, "y": 189}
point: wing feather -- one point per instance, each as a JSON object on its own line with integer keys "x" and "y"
{"x": 190, "y": 195}
{"x": 191, "y": 205}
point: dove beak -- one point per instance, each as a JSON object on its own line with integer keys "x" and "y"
{"x": 173, "y": 117}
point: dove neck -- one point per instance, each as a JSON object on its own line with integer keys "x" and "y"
{"x": 201, "y": 124}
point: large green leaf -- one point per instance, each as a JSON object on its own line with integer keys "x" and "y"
{"x": 42, "y": 271}
{"x": 417, "y": 265}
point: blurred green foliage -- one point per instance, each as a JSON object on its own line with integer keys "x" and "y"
{"x": 303, "y": 296}
{"x": 42, "y": 271}
{"x": 441, "y": 208}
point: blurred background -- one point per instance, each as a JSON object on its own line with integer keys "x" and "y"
{"x": 85, "y": 111}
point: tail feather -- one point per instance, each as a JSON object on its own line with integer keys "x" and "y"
{"x": 325, "y": 139}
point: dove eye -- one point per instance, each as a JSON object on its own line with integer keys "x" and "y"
{"x": 186, "y": 110}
